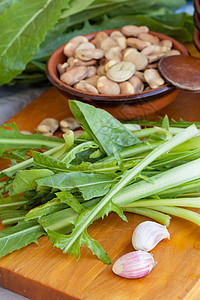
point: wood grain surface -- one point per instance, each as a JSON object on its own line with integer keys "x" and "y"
{"x": 42, "y": 272}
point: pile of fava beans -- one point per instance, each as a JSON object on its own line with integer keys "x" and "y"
{"x": 124, "y": 62}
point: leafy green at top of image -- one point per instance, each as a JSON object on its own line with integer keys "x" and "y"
{"x": 32, "y": 30}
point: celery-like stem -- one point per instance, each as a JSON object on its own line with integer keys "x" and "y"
{"x": 13, "y": 220}
{"x": 179, "y": 212}
{"x": 183, "y": 202}
{"x": 134, "y": 150}
{"x": 181, "y": 190}
{"x": 150, "y": 213}
{"x": 148, "y": 131}
{"x": 160, "y": 182}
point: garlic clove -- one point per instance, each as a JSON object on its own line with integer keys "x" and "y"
{"x": 134, "y": 264}
{"x": 148, "y": 234}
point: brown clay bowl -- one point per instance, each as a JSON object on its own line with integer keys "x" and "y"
{"x": 197, "y": 6}
{"x": 122, "y": 107}
{"x": 197, "y": 39}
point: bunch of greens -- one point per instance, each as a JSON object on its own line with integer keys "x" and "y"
{"x": 32, "y": 30}
{"x": 153, "y": 172}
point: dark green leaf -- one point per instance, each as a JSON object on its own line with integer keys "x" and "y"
{"x": 17, "y": 237}
{"x": 90, "y": 185}
{"x": 70, "y": 200}
{"x": 71, "y": 155}
{"x": 50, "y": 207}
{"x": 23, "y": 35}
{"x": 104, "y": 128}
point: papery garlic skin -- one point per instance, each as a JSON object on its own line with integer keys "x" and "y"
{"x": 148, "y": 234}
{"x": 134, "y": 265}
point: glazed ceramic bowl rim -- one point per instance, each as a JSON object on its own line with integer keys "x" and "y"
{"x": 166, "y": 88}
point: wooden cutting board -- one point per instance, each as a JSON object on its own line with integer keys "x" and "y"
{"x": 42, "y": 272}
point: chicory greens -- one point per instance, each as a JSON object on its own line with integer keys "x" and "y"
{"x": 155, "y": 176}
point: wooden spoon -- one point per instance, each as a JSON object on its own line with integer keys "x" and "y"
{"x": 182, "y": 71}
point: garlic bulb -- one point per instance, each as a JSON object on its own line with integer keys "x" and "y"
{"x": 134, "y": 265}
{"x": 148, "y": 234}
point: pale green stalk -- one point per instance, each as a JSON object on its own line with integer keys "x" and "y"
{"x": 13, "y": 220}
{"x": 184, "y": 202}
{"x": 48, "y": 143}
{"x": 134, "y": 150}
{"x": 182, "y": 190}
{"x": 148, "y": 131}
{"x": 150, "y": 213}
{"x": 179, "y": 212}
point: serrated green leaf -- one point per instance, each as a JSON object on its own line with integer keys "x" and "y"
{"x": 46, "y": 161}
{"x": 13, "y": 139}
{"x": 90, "y": 185}
{"x": 75, "y": 7}
{"x": 21, "y": 37}
{"x": 60, "y": 240}
{"x": 17, "y": 237}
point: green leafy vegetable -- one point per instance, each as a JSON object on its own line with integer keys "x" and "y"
{"x": 10, "y": 139}
{"x": 155, "y": 177}
{"x": 14, "y": 202}
{"x": 12, "y": 216}
{"x": 105, "y": 129}
{"x": 16, "y": 37}
{"x": 14, "y": 238}
{"x": 25, "y": 180}
{"x": 45, "y": 209}
{"x": 90, "y": 185}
